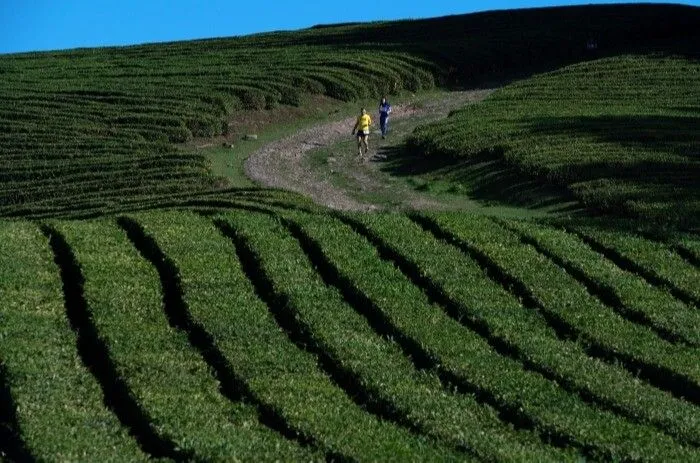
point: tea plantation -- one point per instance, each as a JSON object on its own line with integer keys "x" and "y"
{"x": 622, "y": 133}
{"x": 148, "y": 310}
{"x": 93, "y": 131}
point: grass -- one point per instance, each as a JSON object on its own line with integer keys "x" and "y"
{"x": 398, "y": 178}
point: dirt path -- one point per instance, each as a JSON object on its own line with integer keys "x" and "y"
{"x": 280, "y": 164}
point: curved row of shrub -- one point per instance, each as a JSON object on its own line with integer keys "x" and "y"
{"x": 68, "y": 104}
{"x": 620, "y": 133}
{"x": 571, "y": 307}
{"x": 347, "y": 335}
{"x": 52, "y": 408}
{"x": 274, "y": 368}
{"x": 657, "y": 262}
{"x": 169, "y": 397}
{"x": 262, "y": 335}
{"x": 475, "y": 294}
{"x": 525, "y": 396}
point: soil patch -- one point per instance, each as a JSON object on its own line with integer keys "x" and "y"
{"x": 280, "y": 164}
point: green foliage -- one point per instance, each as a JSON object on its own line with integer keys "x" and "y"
{"x": 58, "y": 405}
{"x": 276, "y": 371}
{"x": 632, "y": 295}
{"x": 169, "y": 381}
{"x": 65, "y": 107}
{"x": 299, "y": 336}
{"x": 620, "y": 133}
{"x": 261, "y": 336}
{"x": 465, "y": 288}
{"x": 567, "y": 301}
{"x": 376, "y": 367}
{"x": 522, "y": 394}
{"x": 690, "y": 247}
{"x": 656, "y": 261}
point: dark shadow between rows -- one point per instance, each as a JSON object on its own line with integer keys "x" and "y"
{"x": 487, "y": 178}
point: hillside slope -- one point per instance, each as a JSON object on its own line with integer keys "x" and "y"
{"x": 95, "y": 130}
{"x": 260, "y": 333}
{"x": 622, "y": 134}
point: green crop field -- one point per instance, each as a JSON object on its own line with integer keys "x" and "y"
{"x": 304, "y": 335}
{"x": 93, "y": 131}
{"x": 151, "y": 310}
{"x": 621, "y": 133}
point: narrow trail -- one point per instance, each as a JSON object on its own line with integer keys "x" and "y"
{"x": 280, "y": 164}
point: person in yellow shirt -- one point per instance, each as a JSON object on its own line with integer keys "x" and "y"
{"x": 362, "y": 128}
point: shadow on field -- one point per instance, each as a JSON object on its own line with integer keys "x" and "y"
{"x": 12, "y": 445}
{"x": 668, "y": 135}
{"x": 487, "y": 178}
{"x": 687, "y": 109}
{"x": 649, "y": 165}
{"x": 470, "y": 49}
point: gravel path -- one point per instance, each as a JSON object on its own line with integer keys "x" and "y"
{"x": 279, "y": 164}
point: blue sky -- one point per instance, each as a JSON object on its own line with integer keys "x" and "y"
{"x": 33, "y": 25}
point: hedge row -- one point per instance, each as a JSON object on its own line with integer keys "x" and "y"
{"x": 689, "y": 247}
{"x": 655, "y": 261}
{"x": 473, "y": 294}
{"x": 52, "y": 408}
{"x": 168, "y": 389}
{"x": 376, "y": 368}
{"x": 284, "y": 379}
{"x": 570, "y": 306}
{"x": 633, "y": 296}
{"x": 462, "y": 355}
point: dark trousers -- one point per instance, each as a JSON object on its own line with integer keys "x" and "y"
{"x": 384, "y": 123}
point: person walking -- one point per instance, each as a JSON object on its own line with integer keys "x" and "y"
{"x": 362, "y": 128}
{"x": 384, "y": 111}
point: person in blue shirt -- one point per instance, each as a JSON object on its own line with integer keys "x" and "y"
{"x": 384, "y": 111}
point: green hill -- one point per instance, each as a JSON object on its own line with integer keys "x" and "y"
{"x": 94, "y": 130}
{"x": 622, "y": 134}
{"x": 274, "y": 333}
{"x": 180, "y": 319}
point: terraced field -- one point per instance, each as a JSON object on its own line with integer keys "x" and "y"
{"x": 262, "y": 331}
{"x": 621, "y": 134}
{"x": 149, "y": 310}
{"x": 101, "y": 130}
{"x": 97, "y": 131}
